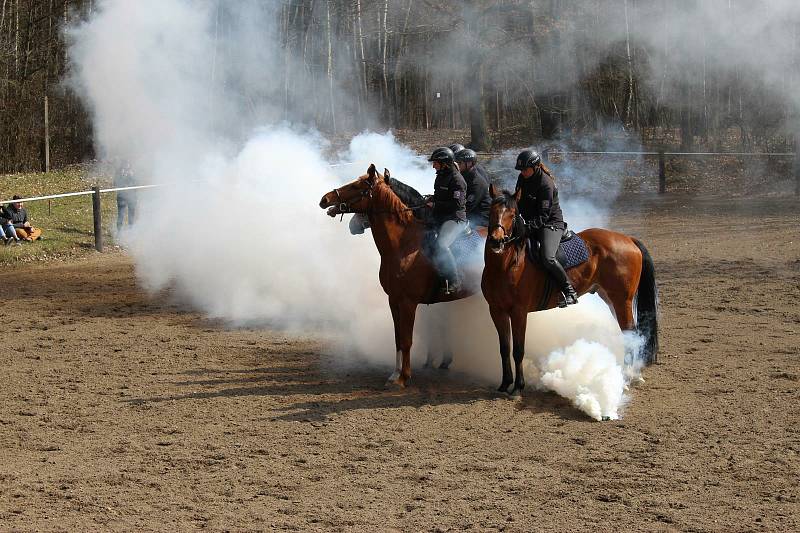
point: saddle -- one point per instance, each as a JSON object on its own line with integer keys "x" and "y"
{"x": 464, "y": 246}
{"x": 571, "y": 252}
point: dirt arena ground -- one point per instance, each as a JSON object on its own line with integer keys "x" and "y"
{"x": 123, "y": 412}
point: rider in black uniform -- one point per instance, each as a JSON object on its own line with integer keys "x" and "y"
{"x": 478, "y": 200}
{"x": 449, "y": 199}
{"x": 541, "y": 210}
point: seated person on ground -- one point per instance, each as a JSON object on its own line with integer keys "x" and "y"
{"x": 7, "y": 232}
{"x": 18, "y": 216}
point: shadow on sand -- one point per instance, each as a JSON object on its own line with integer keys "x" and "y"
{"x": 324, "y": 389}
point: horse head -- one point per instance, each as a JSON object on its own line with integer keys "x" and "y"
{"x": 355, "y": 196}
{"x": 505, "y": 223}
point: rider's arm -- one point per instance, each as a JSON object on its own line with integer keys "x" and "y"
{"x": 544, "y": 201}
{"x": 456, "y": 197}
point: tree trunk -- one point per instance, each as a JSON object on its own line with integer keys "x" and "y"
{"x": 330, "y": 67}
{"x": 629, "y": 105}
{"x": 363, "y": 69}
{"x": 387, "y": 108}
{"x": 477, "y": 114}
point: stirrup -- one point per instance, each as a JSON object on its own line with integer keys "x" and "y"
{"x": 568, "y": 297}
{"x": 450, "y": 289}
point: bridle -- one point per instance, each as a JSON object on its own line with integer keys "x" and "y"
{"x": 515, "y": 234}
{"x": 344, "y": 207}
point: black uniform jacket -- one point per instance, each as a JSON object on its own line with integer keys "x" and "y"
{"x": 538, "y": 203}
{"x": 478, "y": 200}
{"x": 449, "y": 196}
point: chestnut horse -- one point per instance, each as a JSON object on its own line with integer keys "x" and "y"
{"x": 406, "y": 275}
{"x": 619, "y": 269}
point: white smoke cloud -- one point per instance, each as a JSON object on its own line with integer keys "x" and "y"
{"x": 239, "y": 234}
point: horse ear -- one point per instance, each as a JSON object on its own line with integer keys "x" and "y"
{"x": 492, "y": 191}
{"x": 518, "y": 194}
{"x": 386, "y": 175}
{"x": 371, "y": 171}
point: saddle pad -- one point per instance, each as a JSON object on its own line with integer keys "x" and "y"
{"x": 570, "y": 253}
{"x": 467, "y": 246}
{"x": 575, "y": 252}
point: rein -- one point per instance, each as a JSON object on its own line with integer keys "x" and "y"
{"x": 344, "y": 207}
{"x": 508, "y": 238}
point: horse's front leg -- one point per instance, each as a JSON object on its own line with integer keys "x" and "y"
{"x": 501, "y": 323}
{"x": 519, "y": 324}
{"x": 403, "y": 313}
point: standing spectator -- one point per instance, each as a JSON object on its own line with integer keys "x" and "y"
{"x": 18, "y": 215}
{"x": 126, "y": 200}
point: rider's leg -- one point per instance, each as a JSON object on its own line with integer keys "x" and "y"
{"x": 448, "y": 233}
{"x": 550, "y": 239}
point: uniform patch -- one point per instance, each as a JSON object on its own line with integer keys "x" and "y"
{"x": 545, "y": 204}
{"x": 458, "y": 194}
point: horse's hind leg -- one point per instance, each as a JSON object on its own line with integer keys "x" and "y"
{"x": 502, "y": 324}
{"x": 622, "y": 305}
{"x": 623, "y": 310}
{"x": 519, "y": 324}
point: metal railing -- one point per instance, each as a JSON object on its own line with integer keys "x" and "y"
{"x": 547, "y": 153}
{"x": 97, "y": 191}
{"x": 550, "y": 153}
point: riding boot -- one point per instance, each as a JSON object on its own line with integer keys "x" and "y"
{"x": 449, "y": 270}
{"x": 557, "y": 272}
{"x": 569, "y": 296}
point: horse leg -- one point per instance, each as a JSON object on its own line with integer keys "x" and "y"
{"x": 403, "y": 313}
{"x": 519, "y": 324}
{"x": 447, "y": 359}
{"x": 502, "y": 324}
{"x": 622, "y": 305}
{"x": 428, "y": 321}
{"x": 394, "y": 307}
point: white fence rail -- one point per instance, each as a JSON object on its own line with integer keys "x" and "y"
{"x": 548, "y": 153}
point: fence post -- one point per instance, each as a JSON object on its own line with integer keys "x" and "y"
{"x": 98, "y": 226}
{"x": 796, "y": 170}
{"x": 46, "y": 136}
{"x": 662, "y": 172}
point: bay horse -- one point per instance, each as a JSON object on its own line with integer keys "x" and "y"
{"x": 407, "y": 276}
{"x": 619, "y": 269}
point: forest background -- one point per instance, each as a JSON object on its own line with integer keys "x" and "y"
{"x": 685, "y": 73}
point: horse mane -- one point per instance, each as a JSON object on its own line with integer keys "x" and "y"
{"x": 401, "y": 198}
{"x": 507, "y": 198}
{"x": 407, "y": 194}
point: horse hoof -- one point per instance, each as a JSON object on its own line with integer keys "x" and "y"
{"x": 427, "y": 365}
{"x": 515, "y": 394}
{"x": 445, "y": 365}
{"x": 503, "y": 388}
{"x": 396, "y": 383}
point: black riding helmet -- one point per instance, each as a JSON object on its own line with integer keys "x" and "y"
{"x": 455, "y": 147}
{"x": 466, "y": 155}
{"x": 527, "y": 158}
{"x": 442, "y": 155}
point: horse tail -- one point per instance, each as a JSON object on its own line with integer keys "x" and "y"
{"x": 647, "y": 306}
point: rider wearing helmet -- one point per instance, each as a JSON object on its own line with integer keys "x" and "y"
{"x": 540, "y": 208}
{"x": 449, "y": 198}
{"x": 478, "y": 200}
{"x": 455, "y": 147}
